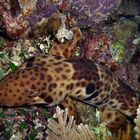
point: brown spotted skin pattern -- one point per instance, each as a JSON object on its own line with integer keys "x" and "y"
{"x": 72, "y": 110}
{"x": 50, "y": 79}
{"x": 36, "y": 82}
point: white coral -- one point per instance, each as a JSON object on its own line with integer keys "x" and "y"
{"x": 63, "y": 33}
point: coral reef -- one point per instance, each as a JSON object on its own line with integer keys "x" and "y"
{"x": 117, "y": 51}
{"x": 105, "y": 31}
{"x": 12, "y": 27}
{"x": 24, "y": 123}
{"x": 103, "y": 49}
{"x": 85, "y": 12}
{"x": 92, "y": 11}
{"x": 129, "y": 70}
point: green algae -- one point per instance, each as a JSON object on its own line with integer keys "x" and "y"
{"x": 2, "y": 115}
{"x": 23, "y": 125}
{"x": 32, "y": 135}
{"x": 1, "y": 73}
{"x": 117, "y": 51}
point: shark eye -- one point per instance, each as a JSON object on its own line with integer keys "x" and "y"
{"x": 90, "y": 88}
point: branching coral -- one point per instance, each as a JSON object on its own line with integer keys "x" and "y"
{"x": 137, "y": 121}
{"x": 66, "y": 129}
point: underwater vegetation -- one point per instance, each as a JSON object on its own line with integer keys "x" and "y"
{"x": 97, "y": 46}
{"x": 67, "y": 129}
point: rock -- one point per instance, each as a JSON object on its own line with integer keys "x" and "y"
{"x": 129, "y": 7}
{"x": 124, "y": 28}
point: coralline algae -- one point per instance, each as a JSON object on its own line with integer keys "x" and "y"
{"x": 86, "y": 12}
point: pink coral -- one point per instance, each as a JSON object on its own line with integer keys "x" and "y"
{"x": 96, "y": 47}
{"x": 14, "y": 26}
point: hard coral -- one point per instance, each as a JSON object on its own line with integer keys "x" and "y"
{"x": 43, "y": 9}
{"x": 87, "y": 12}
{"x": 95, "y": 42}
{"x": 13, "y": 26}
{"x": 97, "y": 47}
{"x": 66, "y": 48}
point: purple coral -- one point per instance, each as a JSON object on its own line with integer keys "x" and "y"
{"x": 12, "y": 26}
{"x": 96, "y": 47}
{"x": 43, "y": 10}
{"x": 87, "y": 12}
